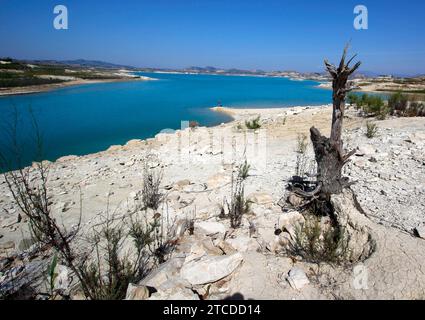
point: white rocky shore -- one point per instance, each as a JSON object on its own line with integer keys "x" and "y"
{"x": 217, "y": 262}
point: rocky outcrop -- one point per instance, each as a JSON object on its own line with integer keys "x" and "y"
{"x": 210, "y": 269}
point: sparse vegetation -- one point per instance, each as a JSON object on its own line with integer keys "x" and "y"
{"x": 302, "y": 143}
{"x": 238, "y": 205}
{"x": 20, "y": 74}
{"x": 353, "y": 99}
{"x": 317, "y": 242}
{"x": 111, "y": 268}
{"x": 52, "y": 275}
{"x": 253, "y": 124}
{"x": 122, "y": 250}
{"x": 304, "y": 165}
{"x": 416, "y": 109}
{"x": 405, "y": 106}
{"x": 10, "y": 80}
{"x": 371, "y": 129}
{"x": 151, "y": 195}
{"x": 397, "y": 103}
{"x": 373, "y": 106}
{"x": 106, "y": 273}
{"x": 244, "y": 170}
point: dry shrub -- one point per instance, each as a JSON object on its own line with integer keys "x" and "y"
{"x": 319, "y": 243}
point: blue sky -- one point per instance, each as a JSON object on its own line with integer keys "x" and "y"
{"x": 268, "y": 35}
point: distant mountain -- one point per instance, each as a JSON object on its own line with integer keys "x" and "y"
{"x": 83, "y": 63}
{"x": 215, "y": 70}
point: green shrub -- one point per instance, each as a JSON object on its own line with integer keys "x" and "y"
{"x": 238, "y": 205}
{"x": 398, "y": 103}
{"x": 363, "y": 101}
{"x": 416, "y": 109}
{"x": 110, "y": 269}
{"x": 374, "y": 105}
{"x": 151, "y": 195}
{"x": 371, "y": 129}
{"x": 244, "y": 170}
{"x": 108, "y": 275}
{"x": 318, "y": 243}
{"x": 254, "y": 124}
{"x": 353, "y": 99}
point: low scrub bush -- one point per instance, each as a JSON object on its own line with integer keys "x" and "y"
{"x": 151, "y": 194}
{"x": 123, "y": 253}
{"x": 253, "y": 124}
{"x": 374, "y": 105}
{"x": 353, "y": 99}
{"x": 398, "y": 103}
{"x": 120, "y": 250}
{"x": 371, "y": 129}
{"x": 319, "y": 243}
{"x": 305, "y": 165}
{"x": 416, "y": 109}
{"x": 244, "y": 170}
{"x": 302, "y": 143}
{"x": 238, "y": 204}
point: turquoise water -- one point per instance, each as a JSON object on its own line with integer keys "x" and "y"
{"x": 90, "y": 118}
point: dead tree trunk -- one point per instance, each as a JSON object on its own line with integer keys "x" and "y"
{"x": 329, "y": 152}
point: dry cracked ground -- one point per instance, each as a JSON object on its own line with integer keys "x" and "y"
{"x": 217, "y": 262}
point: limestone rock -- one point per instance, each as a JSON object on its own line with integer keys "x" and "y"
{"x": 218, "y": 180}
{"x": 62, "y": 281}
{"x": 243, "y": 243}
{"x": 9, "y": 245}
{"x": 360, "y": 242}
{"x": 260, "y": 198}
{"x": 137, "y": 292}
{"x": 134, "y": 143}
{"x": 181, "y": 184}
{"x": 420, "y": 231}
{"x": 210, "y": 227}
{"x": 365, "y": 150}
{"x": 9, "y": 221}
{"x": 197, "y": 251}
{"x": 210, "y": 269}
{"x": 294, "y": 200}
{"x": 165, "y": 271}
{"x": 297, "y": 278}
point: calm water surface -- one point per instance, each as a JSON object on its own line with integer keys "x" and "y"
{"x": 90, "y": 118}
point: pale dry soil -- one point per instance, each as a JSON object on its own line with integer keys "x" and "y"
{"x": 197, "y": 166}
